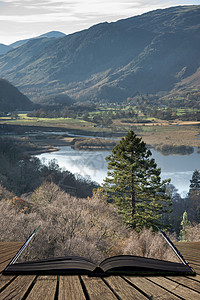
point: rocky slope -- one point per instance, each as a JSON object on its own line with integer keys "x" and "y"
{"x": 151, "y": 53}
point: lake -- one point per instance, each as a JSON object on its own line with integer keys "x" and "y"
{"x": 177, "y": 167}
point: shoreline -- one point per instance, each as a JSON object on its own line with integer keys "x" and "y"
{"x": 80, "y": 144}
{"x": 170, "y": 136}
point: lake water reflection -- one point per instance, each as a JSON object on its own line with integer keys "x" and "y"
{"x": 177, "y": 167}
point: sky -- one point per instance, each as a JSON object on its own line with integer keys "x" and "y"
{"x": 21, "y": 19}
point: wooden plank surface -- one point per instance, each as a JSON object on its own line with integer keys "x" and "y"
{"x": 7, "y": 256}
{"x": 70, "y": 288}
{"x": 7, "y": 251}
{"x": 4, "y": 280}
{"x": 151, "y": 289}
{"x": 185, "y": 246}
{"x": 4, "y": 265}
{"x": 175, "y": 288}
{"x": 124, "y": 290}
{"x": 196, "y": 278}
{"x": 44, "y": 288}
{"x": 195, "y": 268}
{"x": 18, "y": 288}
{"x": 188, "y": 282}
{"x": 6, "y": 245}
{"x": 97, "y": 289}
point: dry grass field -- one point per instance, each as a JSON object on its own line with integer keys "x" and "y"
{"x": 157, "y": 133}
{"x": 176, "y": 136}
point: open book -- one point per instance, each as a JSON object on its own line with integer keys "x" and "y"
{"x": 116, "y": 265}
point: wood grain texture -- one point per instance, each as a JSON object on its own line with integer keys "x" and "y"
{"x": 188, "y": 282}
{"x": 5, "y": 280}
{"x": 196, "y": 278}
{"x": 187, "y": 245}
{"x": 8, "y": 248}
{"x": 195, "y": 268}
{"x": 193, "y": 260}
{"x": 175, "y": 287}
{"x": 4, "y": 264}
{"x": 70, "y": 288}
{"x": 18, "y": 288}
{"x": 44, "y": 288}
{"x": 7, "y": 251}
{"x": 10, "y": 244}
{"x": 6, "y": 256}
{"x": 151, "y": 289}
{"x": 123, "y": 289}
{"x": 97, "y": 289}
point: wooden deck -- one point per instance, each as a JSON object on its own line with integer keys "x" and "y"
{"x": 109, "y": 288}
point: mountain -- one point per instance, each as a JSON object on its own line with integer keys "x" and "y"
{"x": 51, "y": 34}
{"x": 4, "y": 49}
{"x": 12, "y": 99}
{"x": 151, "y": 53}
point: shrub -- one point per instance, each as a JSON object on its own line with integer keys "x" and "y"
{"x": 149, "y": 244}
{"x": 69, "y": 225}
{"x": 4, "y": 193}
{"x": 88, "y": 227}
{"x": 193, "y": 233}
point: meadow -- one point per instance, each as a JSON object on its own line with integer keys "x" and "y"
{"x": 154, "y": 131}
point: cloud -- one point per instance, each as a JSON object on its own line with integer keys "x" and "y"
{"x": 105, "y": 8}
{"x": 67, "y": 15}
{"x": 40, "y": 18}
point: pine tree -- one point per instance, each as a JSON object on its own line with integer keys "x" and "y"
{"x": 134, "y": 184}
{"x": 193, "y": 199}
{"x": 195, "y": 181}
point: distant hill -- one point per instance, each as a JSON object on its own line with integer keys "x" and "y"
{"x": 157, "y": 52}
{"x": 12, "y": 99}
{"x": 51, "y": 34}
{"x": 4, "y": 49}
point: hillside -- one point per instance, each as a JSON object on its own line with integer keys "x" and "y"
{"x": 151, "y": 53}
{"x": 11, "y": 98}
{"x": 4, "y": 49}
{"x": 51, "y": 34}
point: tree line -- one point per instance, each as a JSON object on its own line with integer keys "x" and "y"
{"x": 189, "y": 205}
{"x": 22, "y": 174}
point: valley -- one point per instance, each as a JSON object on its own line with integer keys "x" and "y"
{"x": 100, "y": 134}
{"x": 54, "y": 132}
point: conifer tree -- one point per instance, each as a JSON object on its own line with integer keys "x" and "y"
{"x": 195, "y": 181}
{"x": 134, "y": 184}
{"x": 193, "y": 199}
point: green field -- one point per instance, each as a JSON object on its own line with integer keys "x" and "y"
{"x": 65, "y": 123}
{"x": 23, "y": 119}
{"x": 157, "y": 132}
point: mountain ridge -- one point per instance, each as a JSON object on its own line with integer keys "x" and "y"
{"x": 50, "y": 34}
{"x": 150, "y": 53}
{"x": 4, "y": 49}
